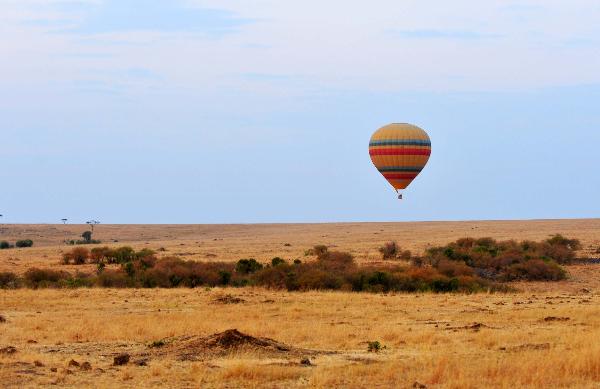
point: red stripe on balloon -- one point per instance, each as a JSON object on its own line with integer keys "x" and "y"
{"x": 399, "y": 151}
{"x": 400, "y": 176}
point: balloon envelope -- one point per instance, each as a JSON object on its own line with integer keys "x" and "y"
{"x": 400, "y": 151}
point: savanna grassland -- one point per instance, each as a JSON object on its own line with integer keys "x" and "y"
{"x": 542, "y": 334}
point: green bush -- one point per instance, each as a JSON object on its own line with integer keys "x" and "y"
{"x": 375, "y": 346}
{"x": 277, "y": 261}
{"x": 101, "y": 254}
{"x": 505, "y": 260}
{"x": 122, "y": 255}
{"x": 24, "y": 243}
{"x": 4, "y": 245}
{"x": 87, "y": 236}
{"x": 224, "y": 277}
{"x": 247, "y": 266}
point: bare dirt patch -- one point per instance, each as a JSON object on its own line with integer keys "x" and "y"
{"x": 228, "y": 299}
{"x": 9, "y": 350}
{"x": 527, "y": 346}
{"x": 556, "y": 318}
{"x": 473, "y": 327}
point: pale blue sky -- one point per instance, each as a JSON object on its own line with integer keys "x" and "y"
{"x": 147, "y": 111}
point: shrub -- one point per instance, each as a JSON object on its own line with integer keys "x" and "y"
{"x": 276, "y": 278}
{"x": 121, "y": 255}
{"x": 453, "y": 268}
{"x": 24, "y": 243}
{"x": 536, "y": 270}
{"x": 87, "y": 236}
{"x": 389, "y": 250}
{"x": 77, "y": 256}
{"x": 467, "y": 242}
{"x": 100, "y": 254}
{"x": 374, "y": 347}
{"x": 157, "y": 344}
{"x": 277, "y": 261}
{"x": 9, "y": 280}
{"x": 4, "y": 245}
{"x": 172, "y": 272}
{"x": 145, "y": 253}
{"x": 248, "y": 266}
{"x": 224, "y": 277}
{"x": 129, "y": 268}
{"x": 313, "y": 278}
{"x": 559, "y": 240}
{"x": 417, "y": 261}
{"x": 505, "y": 260}
{"x": 562, "y": 254}
{"x": 113, "y": 279}
{"x": 336, "y": 261}
{"x": 37, "y": 278}
{"x": 319, "y": 250}
{"x": 405, "y": 255}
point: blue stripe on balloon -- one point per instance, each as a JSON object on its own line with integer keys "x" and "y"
{"x": 400, "y": 142}
{"x": 412, "y": 169}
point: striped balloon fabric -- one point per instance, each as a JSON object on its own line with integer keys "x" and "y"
{"x": 400, "y": 151}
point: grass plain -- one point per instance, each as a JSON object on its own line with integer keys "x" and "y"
{"x": 543, "y": 335}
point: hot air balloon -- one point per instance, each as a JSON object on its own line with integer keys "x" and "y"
{"x": 400, "y": 151}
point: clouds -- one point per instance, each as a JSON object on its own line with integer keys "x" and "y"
{"x": 207, "y": 96}
{"x": 117, "y": 16}
{"x": 441, "y": 34}
{"x": 384, "y": 46}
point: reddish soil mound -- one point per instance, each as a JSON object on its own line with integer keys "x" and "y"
{"x": 197, "y": 348}
{"x": 235, "y": 339}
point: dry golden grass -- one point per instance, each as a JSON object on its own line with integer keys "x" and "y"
{"x": 429, "y": 339}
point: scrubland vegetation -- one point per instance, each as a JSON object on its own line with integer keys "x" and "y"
{"x": 505, "y": 260}
{"x": 61, "y": 325}
{"x": 466, "y": 265}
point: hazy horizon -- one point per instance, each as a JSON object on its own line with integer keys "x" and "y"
{"x": 205, "y": 111}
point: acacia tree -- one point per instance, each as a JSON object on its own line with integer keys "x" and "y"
{"x": 87, "y": 236}
{"x": 92, "y": 223}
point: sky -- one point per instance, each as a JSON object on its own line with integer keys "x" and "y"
{"x": 236, "y": 111}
